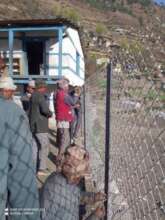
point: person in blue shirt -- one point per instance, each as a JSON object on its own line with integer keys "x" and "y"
{"x": 18, "y": 187}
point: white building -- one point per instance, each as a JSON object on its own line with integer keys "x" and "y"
{"x": 46, "y": 49}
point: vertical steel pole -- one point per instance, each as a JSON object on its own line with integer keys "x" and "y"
{"x": 84, "y": 115}
{"x": 60, "y": 38}
{"x": 11, "y": 39}
{"x": 77, "y": 63}
{"x": 107, "y": 137}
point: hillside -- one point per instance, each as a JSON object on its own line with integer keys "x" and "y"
{"x": 104, "y": 23}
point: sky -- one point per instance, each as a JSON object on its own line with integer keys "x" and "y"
{"x": 160, "y": 1}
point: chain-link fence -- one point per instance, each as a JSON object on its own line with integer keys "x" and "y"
{"x": 95, "y": 127}
{"x": 137, "y": 175}
{"x": 137, "y": 137}
{"x": 137, "y": 144}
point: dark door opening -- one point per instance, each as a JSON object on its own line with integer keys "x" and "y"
{"x": 35, "y": 52}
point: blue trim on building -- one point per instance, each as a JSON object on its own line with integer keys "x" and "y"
{"x": 25, "y": 78}
{"x": 77, "y": 63}
{"x": 32, "y": 28}
{"x": 25, "y": 81}
{"x": 33, "y": 77}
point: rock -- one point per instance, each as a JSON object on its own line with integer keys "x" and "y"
{"x": 107, "y": 44}
{"x": 101, "y": 61}
{"x": 128, "y": 105}
{"x": 159, "y": 117}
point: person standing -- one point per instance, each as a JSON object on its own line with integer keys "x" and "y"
{"x": 25, "y": 99}
{"x": 18, "y": 187}
{"x": 39, "y": 114}
{"x": 77, "y": 112}
{"x": 7, "y": 86}
{"x": 63, "y": 110}
{"x": 2, "y": 65}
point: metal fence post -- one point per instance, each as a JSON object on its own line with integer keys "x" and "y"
{"x": 107, "y": 136}
{"x": 84, "y": 116}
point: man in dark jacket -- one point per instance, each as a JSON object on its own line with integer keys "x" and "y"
{"x": 38, "y": 117}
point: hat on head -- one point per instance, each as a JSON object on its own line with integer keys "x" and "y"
{"x": 6, "y": 82}
{"x": 31, "y": 83}
{"x": 39, "y": 83}
{"x": 65, "y": 79}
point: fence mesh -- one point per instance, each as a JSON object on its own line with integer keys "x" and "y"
{"x": 137, "y": 175}
{"x": 137, "y": 151}
{"x": 95, "y": 109}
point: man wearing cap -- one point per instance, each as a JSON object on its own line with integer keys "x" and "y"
{"x": 25, "y": 99}
{"x": 38, "y": 117}
{"x": 7, "y": 87}
{"x": 18, "y": 188}
{"x": 62, "y": 192}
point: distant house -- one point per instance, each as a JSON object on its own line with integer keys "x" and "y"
{"x": 43, "y": 48}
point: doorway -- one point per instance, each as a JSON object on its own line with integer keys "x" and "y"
{"x": 35, "y": 51}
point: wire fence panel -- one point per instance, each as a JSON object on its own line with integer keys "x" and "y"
{"x": 137, "y": 148}
{"x": 137, "y": 164}
{"x": 95, "y": 102}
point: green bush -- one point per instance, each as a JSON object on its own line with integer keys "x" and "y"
{"x": 162, "y": 97}
{"x": 115, "y": 5}
{"x": 97, "y": 4}
{"x": 151, "y": 95}
{"x": 102, "y": 83}
{"x": 101, "y": 29}
{"x": 71, "y": 14}
{"x": 93, "y": 57}
{"x": 68, "y": 13}
{"x": 134, "y": 47}
{"x": 123, "y": 9}
{"x": 142, "y": 2}
{"x": 145, "y": 3}
{"x": 57, "y": 10}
